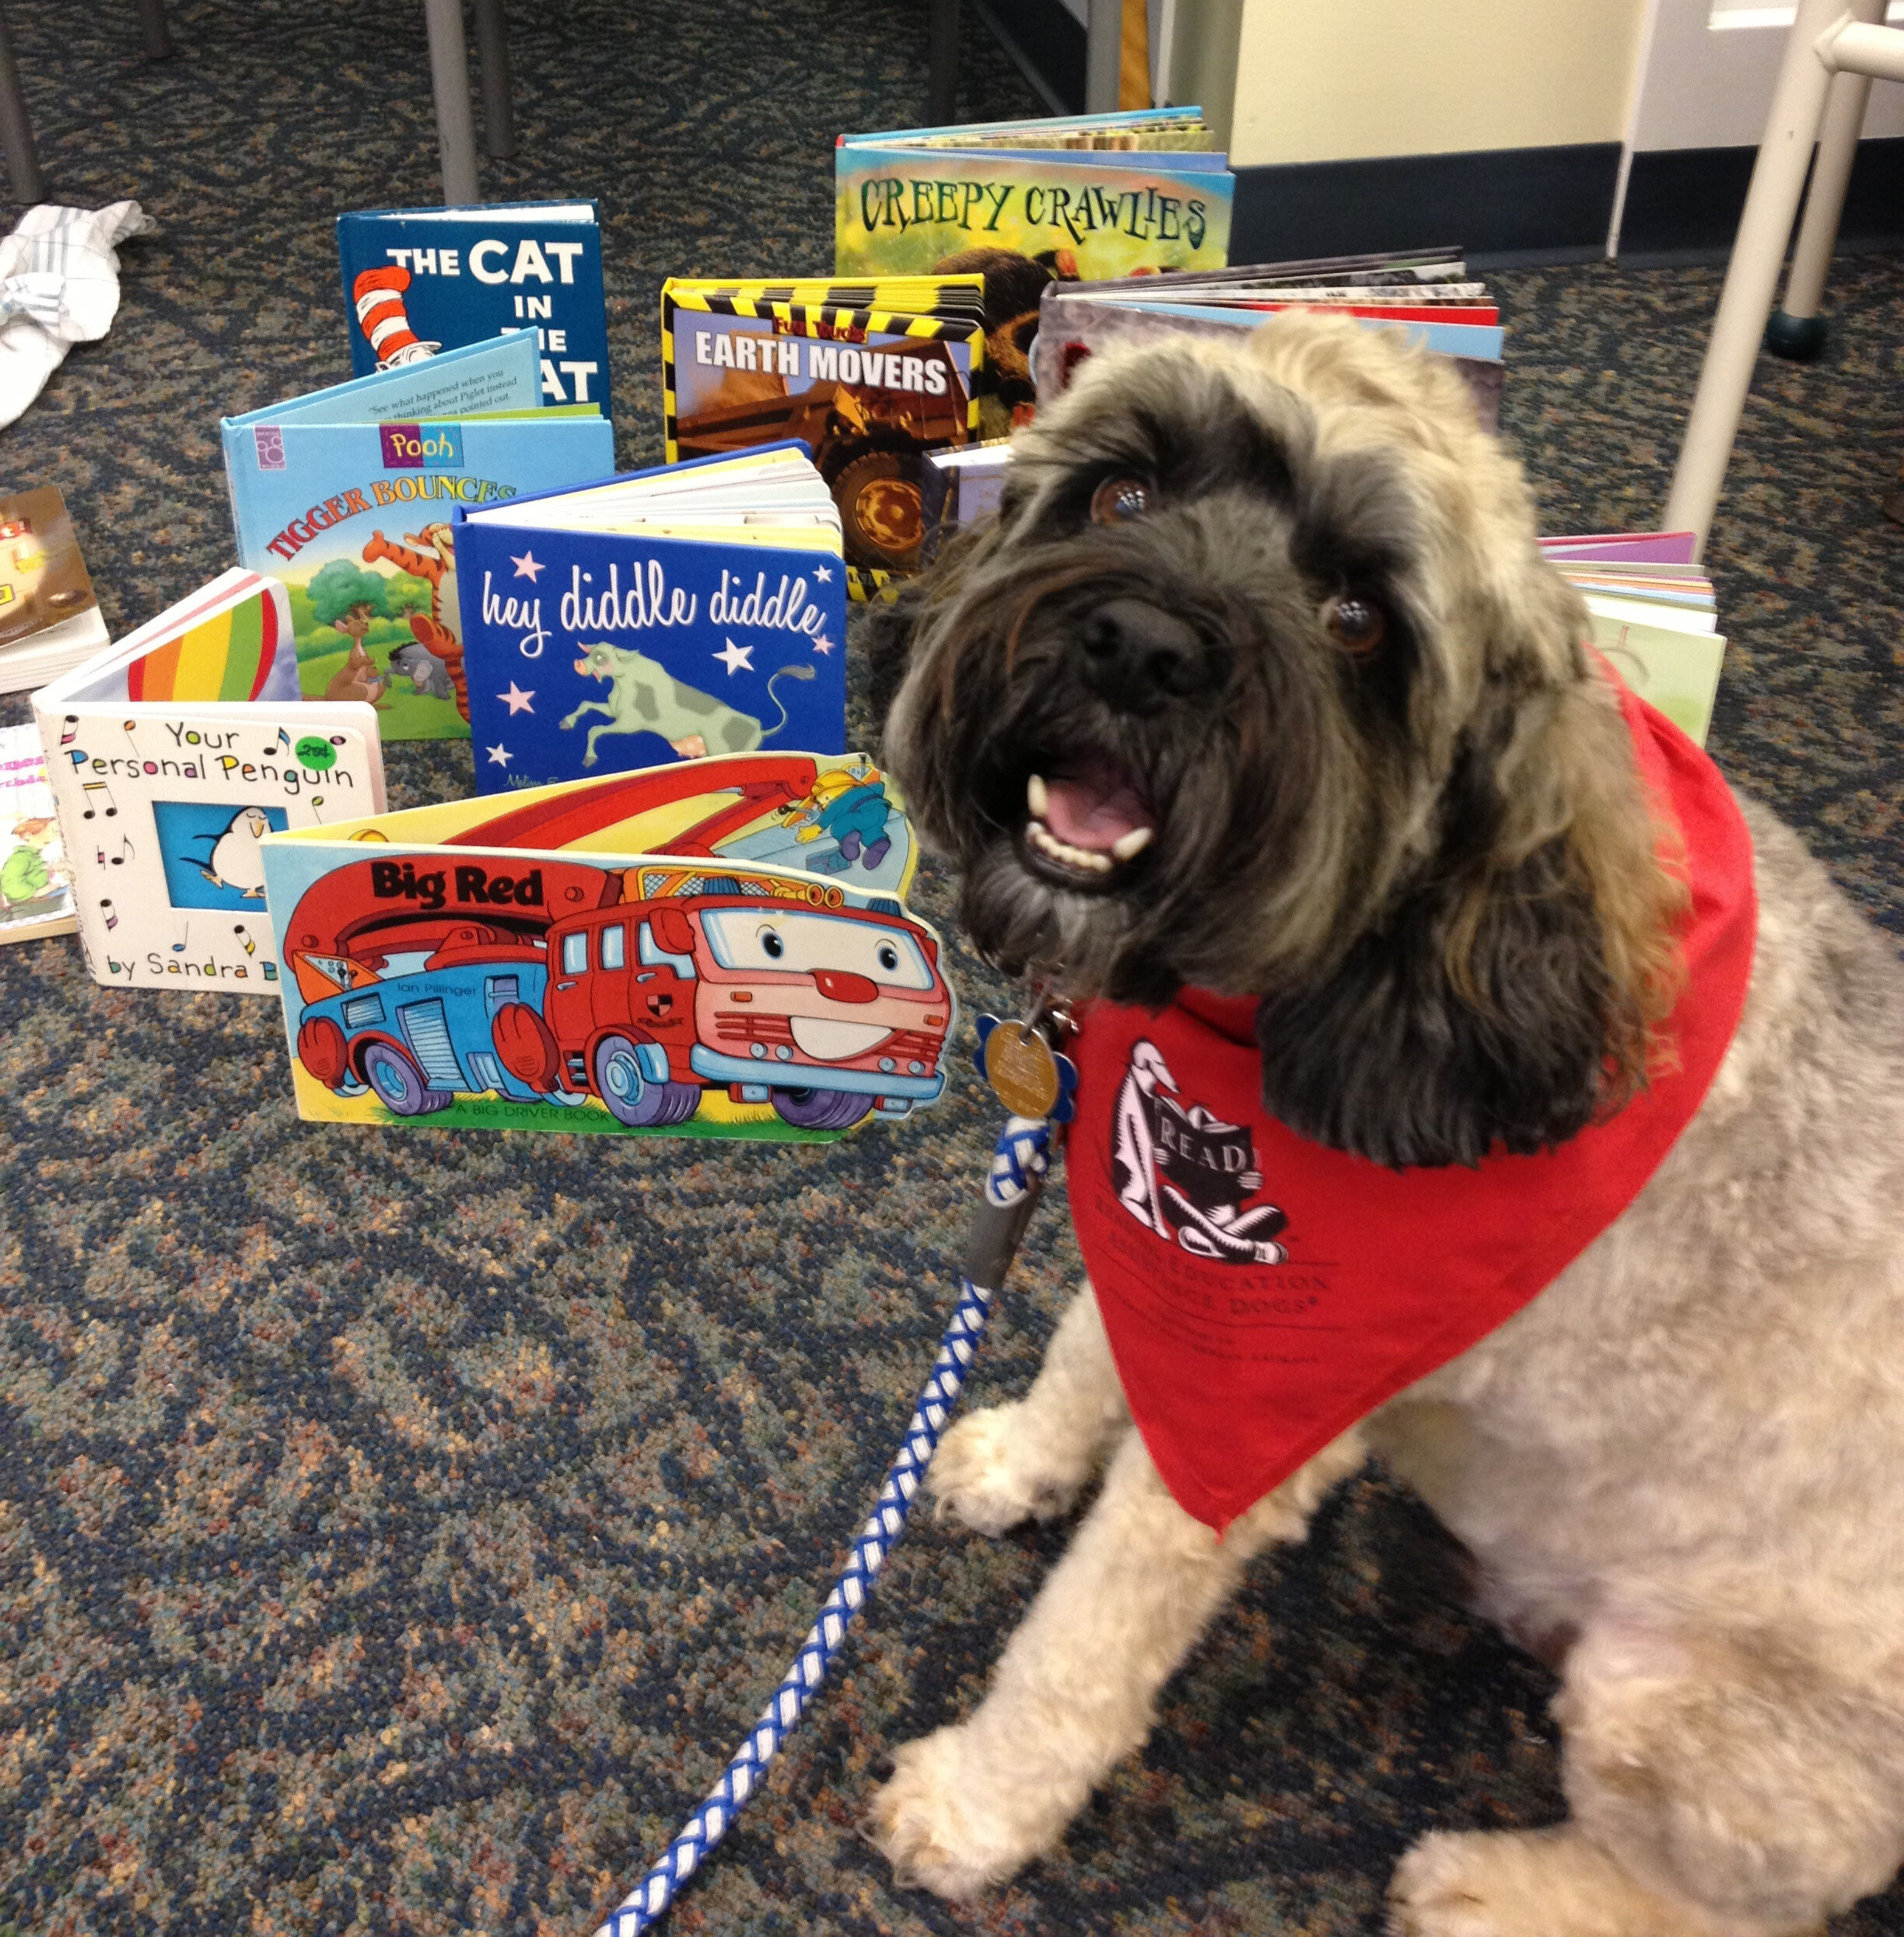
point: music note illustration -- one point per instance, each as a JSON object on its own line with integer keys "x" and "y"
{"x": 88, "y": 789}
{"x": 127, "y": 851}
{"x": 70, "y": 730}
{"x": 316, "y": 802}
{"x": 283, "y": 736}
{"x": 112, "y": 914}
{"x": 251, "y": 946}
{"x": 179, "y": 947}
{"x": 126, "y": 727}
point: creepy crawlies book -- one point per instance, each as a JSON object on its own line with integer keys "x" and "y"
{"x": 1089, "y": 195}
{"x": 870, "y": 391}
{"x": 719, "y": 948}
{"x": 695, "y": 609}
{"x": 346, "y": 495}
{"x": 171, "y": 755}
{"x": 418, "y": 281}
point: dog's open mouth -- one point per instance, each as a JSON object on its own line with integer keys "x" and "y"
{"x": 1085, "y": 825}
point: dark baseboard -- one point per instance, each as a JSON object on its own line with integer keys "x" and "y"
{"x": 1502, "y": 205}
{"x": 1683, "y": 204}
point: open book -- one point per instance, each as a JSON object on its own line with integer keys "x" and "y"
{"x": 170, "y": 755}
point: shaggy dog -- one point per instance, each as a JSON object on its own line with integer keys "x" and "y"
{"x": 1333, "y": 744}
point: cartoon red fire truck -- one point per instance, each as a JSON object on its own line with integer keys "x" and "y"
{"x": 782, "y": 993}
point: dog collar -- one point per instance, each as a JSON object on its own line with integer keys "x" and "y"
{"x": 1262, "y": 1292}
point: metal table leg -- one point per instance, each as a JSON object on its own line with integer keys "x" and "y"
{"x": 492, "y": 64}
{"x": 455, "y": 125}
{"x": 15, "y": 130}
{"x": 942, "y": 72}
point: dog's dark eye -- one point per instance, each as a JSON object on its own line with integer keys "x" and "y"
{"x": 1357, "y": 625}
{"x": 1119, "y": 499}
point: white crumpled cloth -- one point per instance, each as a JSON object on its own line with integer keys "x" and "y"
{"x": 59, "y": 285}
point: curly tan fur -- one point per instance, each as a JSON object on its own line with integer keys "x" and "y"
{"x": 1679, "y": 1468}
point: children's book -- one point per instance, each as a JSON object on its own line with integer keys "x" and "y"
{"x": 346, "y": 495}
{"x": 171, "y": 755}
{"x": 869, "y": 390}
{"x": 36, "y": 880}
{"x": 1427, "y": 295}
{"x": 49, "y": 617}
{"x": 418, "y": 281}
{"x": 1654, "y": 617}
{"x": 698, "y": 608}
{"x": 1087, "y": 196}
{"x": 719, "y": 948}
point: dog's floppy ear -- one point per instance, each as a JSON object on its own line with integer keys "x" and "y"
{"x": 1511, "y": 991}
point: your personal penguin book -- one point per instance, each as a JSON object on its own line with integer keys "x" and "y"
{"x": 698, "y": 609}
{"x": 171, "y": 756}
{"x": 347, "y": 496}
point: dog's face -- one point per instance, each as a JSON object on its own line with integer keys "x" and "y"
{"x": 1258, "y": 682}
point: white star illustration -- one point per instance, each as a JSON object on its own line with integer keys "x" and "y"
{"x": 824, "y": 574}
{"x": 516, "y": 700}
{"x": 526, "y": 566}
{"x": 498, "y": 756}
{"x": 735, "y": 658}
{"x": 823, "y": 644}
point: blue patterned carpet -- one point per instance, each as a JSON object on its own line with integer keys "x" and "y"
{"x": 396, "y": 1531}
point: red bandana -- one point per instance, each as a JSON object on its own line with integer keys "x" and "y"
{"x": 1263, "y": 1293}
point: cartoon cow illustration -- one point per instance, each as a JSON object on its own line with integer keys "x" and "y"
{"x": 645, "y": 697}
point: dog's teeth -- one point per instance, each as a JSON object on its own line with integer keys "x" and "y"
{"x": 1038, "y": 796}
{"x": 1042, "y": 836}
{"x": 1128, "y": 847}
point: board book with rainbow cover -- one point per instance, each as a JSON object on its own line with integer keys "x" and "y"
{"x": 347, "y": 496}
{"x": 170, "y": 755}
{"x": 720, "y": 947}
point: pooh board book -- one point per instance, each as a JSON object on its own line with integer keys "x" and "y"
{"x": 718, "y": 948}
{"x": 418, "y": 281}
{"x": 870, "y": 391}
{"x": 1088, "y": 196}
{"x": 346, "y": 496}
{"x": 698, "y": 608}
{"x": 171, "y": 756}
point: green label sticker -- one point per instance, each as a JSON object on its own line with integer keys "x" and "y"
{"x": 316, "y": 752}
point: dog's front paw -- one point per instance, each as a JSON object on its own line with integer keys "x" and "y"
{"x": 949, "y": 1823}
{"x": 1528, "y": 1883}
{"x": 986, "y": 1474}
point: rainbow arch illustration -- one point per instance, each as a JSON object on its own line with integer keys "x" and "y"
{"x": 229, "y": 656}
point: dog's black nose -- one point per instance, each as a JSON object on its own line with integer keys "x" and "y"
{"x": 1135, "y": 655}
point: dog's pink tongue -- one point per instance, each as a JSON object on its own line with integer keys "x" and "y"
{"x": 1093, "y": 811}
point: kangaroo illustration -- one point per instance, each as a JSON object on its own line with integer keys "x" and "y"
{"x": 645, "y": 697}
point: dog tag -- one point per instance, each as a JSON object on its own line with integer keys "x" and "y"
{"x": 1022, "y": 1070}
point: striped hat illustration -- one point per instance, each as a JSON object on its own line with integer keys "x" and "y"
{"x": 378, "y": 294}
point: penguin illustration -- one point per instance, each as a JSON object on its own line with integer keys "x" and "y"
{"x": 237, "y": 861}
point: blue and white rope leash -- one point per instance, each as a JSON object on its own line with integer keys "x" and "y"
{"x": 1018, "y": 1164}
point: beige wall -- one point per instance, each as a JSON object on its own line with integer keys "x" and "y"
{"x": 1337, "y": 80}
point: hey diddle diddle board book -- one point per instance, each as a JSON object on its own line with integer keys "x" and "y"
{"x": 346, "y": 495}
{"x": 719, "y": 947}
{"x": 417, "y": 281}
{"x": 171, "y": 756}
{"x": 695, "y": 609}
{"x": 868, "y": 387}
{"x": 1091, "y": 196}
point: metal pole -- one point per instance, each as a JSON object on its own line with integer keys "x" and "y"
{"x": 152, "y": 30}
{"x": 942, "y": 65}
{"x": 1771, "y": 204}
{"x": 15, "y": 130}
{"x": 492, "y": 64}
{"x": 456, "y": 126}
{"x": 1818, "y": 234}
{"x": 1104, "y": 51}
